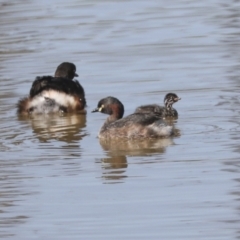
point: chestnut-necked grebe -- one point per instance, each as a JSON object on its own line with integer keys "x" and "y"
{"x": 136, "y": 125}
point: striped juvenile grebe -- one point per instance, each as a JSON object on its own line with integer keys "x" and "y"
{"x": 164, "y": 112}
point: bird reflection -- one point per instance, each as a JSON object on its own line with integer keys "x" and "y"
{"x": 142, "y": 147}
{"x": 115, "y": 164}
{"x": 114, "y": 167}
{"x": 67, "y": 128}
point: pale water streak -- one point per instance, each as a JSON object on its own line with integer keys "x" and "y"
{"x": 58, "y": 181}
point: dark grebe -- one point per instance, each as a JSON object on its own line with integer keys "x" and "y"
{"x": 136, "y": 125}
{"x": 54, "y": 94}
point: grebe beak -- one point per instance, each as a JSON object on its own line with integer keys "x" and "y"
{"x": 95, "y": 110}
{"x": 75, "y": 75}
{"x": 98, "y": 109}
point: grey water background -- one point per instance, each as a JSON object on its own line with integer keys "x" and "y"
{"x": 58, "y": 181}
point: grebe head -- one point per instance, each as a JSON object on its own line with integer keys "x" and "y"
{"x": 66, "y": 70}
{"x": 111, "y": 106}
{"x": 170, "y": 99}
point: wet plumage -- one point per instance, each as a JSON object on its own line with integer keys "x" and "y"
{"x": 54, "y": 94}
{"x": 136, "y": 125}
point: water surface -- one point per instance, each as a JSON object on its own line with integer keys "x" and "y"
{"x": 58, "y": 181}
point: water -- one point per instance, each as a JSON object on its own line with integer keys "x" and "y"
{"x": 58, "y": 181}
